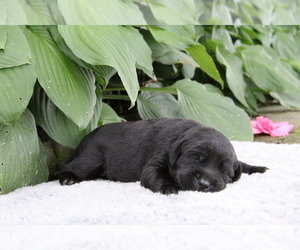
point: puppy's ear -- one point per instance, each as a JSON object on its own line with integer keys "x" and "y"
{"x": 237, "y": 172}
{"x": 174, "y": 152}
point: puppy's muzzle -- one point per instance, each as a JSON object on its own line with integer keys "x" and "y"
{"x": 204, "y": 183}
{"x": 207, "y": 185}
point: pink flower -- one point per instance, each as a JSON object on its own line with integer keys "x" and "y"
{"x": 266, "y": 126}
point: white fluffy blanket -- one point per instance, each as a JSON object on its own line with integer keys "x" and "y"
{"x": 260, "y": 210}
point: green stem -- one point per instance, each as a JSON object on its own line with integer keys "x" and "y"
{"x": 116, "y": 97}
{"x": 161, "y": 90}
{"x": 259, "y": 90}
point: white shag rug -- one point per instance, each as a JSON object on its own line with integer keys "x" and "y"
{"x": 260, "y": 210}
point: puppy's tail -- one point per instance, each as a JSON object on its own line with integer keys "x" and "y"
{"x": 249, "y": 169}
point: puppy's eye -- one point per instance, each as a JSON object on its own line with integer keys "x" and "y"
{"x": 198, "y": 158}
{"x": 201, "y": 158}
{"x": 224, "y": 172}
{"x": 194, "y": 157}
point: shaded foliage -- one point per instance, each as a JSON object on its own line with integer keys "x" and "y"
{"x": 212, "y": 74}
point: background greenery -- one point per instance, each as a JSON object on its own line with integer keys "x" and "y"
{"x": 229, "y": 12}
{"x": 67, "y": 80}
{"x": 70, "y": 79}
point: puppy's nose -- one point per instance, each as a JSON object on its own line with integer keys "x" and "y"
{"x": 204, "y": 183}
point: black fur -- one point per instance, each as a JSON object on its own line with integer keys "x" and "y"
{"x": 166, "y": 155}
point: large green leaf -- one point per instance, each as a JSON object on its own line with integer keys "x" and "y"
{"x": 183, "y": 37}
{"x": 102, "y": 73}
{"x": 13, "y": 13}
{"x": 265, "y": 34}
{"x": 16, "y": 50}
{"x": 286, "y": 13}
{"x": 3, "y": 37}
{"x": 166, "y": 54}
{"x": 223, "y": 36}
{"x": 234, "y": 73}
{"x": 108, "y": 115}
{"x": 188, "y": 71}
{"x": 155, "y": 104}
{"x": 295, "y": 65}
{"x": 108, "y": 45}
{"x": 77, "y": 12}
{"x": 177, "y": 12}
{"x": 212, "y": 109}
{"x": 16, "y": 83}
{"x": 22, "y": 159}
{"x": 70, "y": 87}
{"x": 287, "y": 45}
{"x": 257, "y": 11}
{"x": 53, "y": 7}
{"x": 2, "y": 13}
{"x": 42, "y": 172}
{"x": 56, "y": 124}
{"x": 178, "y": 36}
{"x": 139, "y": 49}
{"x": 270, "y": 74}
{"x": 37, "y": 12}
{"x": 221, "y": 12}
{"x": 205, "y": 62}
{"x": 198, "y": 102}
{"x": 16, "y": 88}
{"x": 247, "y": 12}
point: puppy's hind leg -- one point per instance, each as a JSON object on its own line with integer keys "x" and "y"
{"x": 83, "y": 167}
{"x": 248, "y": 169}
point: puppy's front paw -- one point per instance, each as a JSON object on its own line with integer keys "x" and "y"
{"x": 168, "y": 190}
{"x": 67, "y": 179}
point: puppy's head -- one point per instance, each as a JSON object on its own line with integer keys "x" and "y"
{"x": 203, "y": 159}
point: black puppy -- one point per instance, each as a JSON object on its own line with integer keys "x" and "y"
{"x": 166, "y": 155}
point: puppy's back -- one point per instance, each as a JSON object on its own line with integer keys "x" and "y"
{"x": 126, "y": 147}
